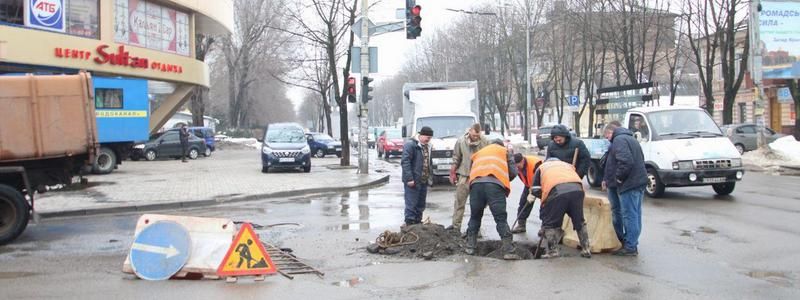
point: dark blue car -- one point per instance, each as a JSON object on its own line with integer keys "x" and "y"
{"x": 285, "y": 147}
{"x": 322, "y": 144}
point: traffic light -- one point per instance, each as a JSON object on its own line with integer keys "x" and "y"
{"x": 413, "y": 19}
{"x": 365, "y": 89}
{"x": 351, "y": 89}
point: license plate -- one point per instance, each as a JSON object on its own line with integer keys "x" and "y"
{"x": 443, "y": 167}
{"x": 714, "y": 179}
{"x": 286, "y": 159}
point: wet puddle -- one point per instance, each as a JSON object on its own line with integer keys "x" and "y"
{"x": 703, "y": 229}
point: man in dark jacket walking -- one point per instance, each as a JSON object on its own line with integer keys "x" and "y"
{"x": 563, "y": 147}
{"x": 184, "y": 137}
{"x": 625, "y": 179}
{"x": 416, "y": 164}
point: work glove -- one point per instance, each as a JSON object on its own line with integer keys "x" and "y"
{"x": 531, "y": 198}
{"x": 536, "y": 191}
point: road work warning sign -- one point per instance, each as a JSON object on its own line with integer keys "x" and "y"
{"x": 246, "y": 256}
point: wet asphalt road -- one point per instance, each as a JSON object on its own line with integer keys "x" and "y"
{"x": 694, "y": 245}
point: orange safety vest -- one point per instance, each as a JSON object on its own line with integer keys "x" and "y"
{"x": 527, "y": 177}
{"x": 554, "y": 173}
{"x": 492, "y": 160}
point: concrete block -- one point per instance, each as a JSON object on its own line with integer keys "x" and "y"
{"x": 597, "y": 213}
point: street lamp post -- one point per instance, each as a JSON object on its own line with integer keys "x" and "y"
{"x": 526, "y": 119}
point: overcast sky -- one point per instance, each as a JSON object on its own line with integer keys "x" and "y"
{"x": 394, "y": 48}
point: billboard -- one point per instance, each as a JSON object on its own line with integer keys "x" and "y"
{"x": 779, "y": 27}
{"x": 149, "y": 25}
{"x": 45, "y": 14}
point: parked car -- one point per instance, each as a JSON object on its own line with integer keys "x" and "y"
{"x": 167, "y": 144}
{"x": 745, "y": 136}
{"x": 322, "y": 144}
{"x": 390, "y": 142}
{"x": 506, "y": 141}
{"x": 204, "y": 133}
{"x": 284, "y": 146}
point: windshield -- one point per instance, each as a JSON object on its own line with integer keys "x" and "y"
{"x": 682, "y": 122}
{"x": 445, "y": 127}
{"x": 322, "y": 137}
{"x": 285, "y": 135}
{"x": 394, "y": 134}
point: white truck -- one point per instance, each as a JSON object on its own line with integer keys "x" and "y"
{"x": 682, "y": 146}
{"x": 449, "y": 108}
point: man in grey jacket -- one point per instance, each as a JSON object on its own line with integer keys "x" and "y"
{"x": 416, "y": 165}
{"x": 468, "y": 144}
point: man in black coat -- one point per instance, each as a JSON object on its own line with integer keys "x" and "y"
{"x": 417, "y": 174}
{"x": 625, "y": 178}
{"x": 563, "y": 147}
{"x": 184, "y": 138}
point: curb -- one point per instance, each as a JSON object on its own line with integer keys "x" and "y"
{"x": 207, "y": 202}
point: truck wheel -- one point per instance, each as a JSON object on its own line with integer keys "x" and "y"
{"x": 724, "y": 189}
{"x": 150, "y": 155}
{"x": 655, "y": 188}
{"x": 14, "y": 214}
{"x": 105, "y": 161}
{"x": 593, "y": 175}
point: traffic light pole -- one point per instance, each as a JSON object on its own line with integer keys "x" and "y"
{"x": 363, "y": 140}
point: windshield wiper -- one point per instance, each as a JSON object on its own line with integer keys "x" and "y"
{"x": 682, "y": 135}
{"x": 447, "y": 136}
{"x": 699, "y": 132}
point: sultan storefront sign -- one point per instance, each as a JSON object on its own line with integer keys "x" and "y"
{"x": 119, "y": 56}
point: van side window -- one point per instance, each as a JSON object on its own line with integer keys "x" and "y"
{"x": 638, "y": 124}
{"x": 108, "y": 98}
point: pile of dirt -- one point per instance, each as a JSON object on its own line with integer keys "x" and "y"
{"x": 434, "y": 241}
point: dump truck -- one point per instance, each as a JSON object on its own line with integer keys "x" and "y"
{"x": 449, "y": 108}
{"x": 48, "y": 135}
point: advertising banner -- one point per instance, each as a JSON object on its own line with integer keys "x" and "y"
{"x": 149, "y": 25}
{"x": 780, "y": 39}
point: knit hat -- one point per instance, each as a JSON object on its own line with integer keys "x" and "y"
{"x": 426, "y": 131}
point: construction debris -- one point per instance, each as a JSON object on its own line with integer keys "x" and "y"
{"x": 427, "y": 241}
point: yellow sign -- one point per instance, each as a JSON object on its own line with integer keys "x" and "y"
{"x": 102, "y": 113}
{"x": 246, "y": 256}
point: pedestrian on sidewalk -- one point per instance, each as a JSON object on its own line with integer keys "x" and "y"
{"x": 490, "y": 183}
{"x": 526, "y": 168}
{"x": 184, "y": 137}
{"x": 561, "y": 191}
{"x": 625, "y": 178}
{"x": 416, "y": 165}
{"x": 563, "y": 147}
{"x": 465, "y": 147}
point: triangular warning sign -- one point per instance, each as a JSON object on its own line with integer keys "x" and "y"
{"x": 246, "y": 256}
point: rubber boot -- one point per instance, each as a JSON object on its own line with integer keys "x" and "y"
{"x": 552, "y": 237}
{"x": 520, "y": 228}
{"x": 472, "y": 243}
{"x": 509, "y": 251}
{"x": 586, "y": 247}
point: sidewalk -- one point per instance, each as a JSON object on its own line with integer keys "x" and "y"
{"x": 226, "y": 176}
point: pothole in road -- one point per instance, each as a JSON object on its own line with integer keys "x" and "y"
{"x": 493, "y": 249}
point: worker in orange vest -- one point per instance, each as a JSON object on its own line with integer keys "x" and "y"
{"x": 526, "y": 168}
{"x": 490, "y": 182}
{"x": 561, "y": 191}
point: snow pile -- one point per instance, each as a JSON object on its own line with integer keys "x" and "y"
{"x": 238, "y": 143}
{"x": 788, "y": 148}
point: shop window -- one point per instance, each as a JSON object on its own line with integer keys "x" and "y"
{"x": 742, "y": 112}
{"x": 12, "y": 11}
{"x": 108, "y": 98}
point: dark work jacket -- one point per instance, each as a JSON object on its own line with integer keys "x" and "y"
{"x": 566, "y": 152}
{"x": 183, "y": 134}
{"x": 625, "y": 162}
{"x": 411, "y": 162}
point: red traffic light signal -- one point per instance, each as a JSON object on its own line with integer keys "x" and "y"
{"x": 413, "y": 19}
{"x": 351, "y": 89}
{"x": 416, "y": 10}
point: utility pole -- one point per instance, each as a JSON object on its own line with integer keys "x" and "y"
{"x": 526, "y": 120}
{"x": 363, "y": 147}
{"x": 756, "y": 71}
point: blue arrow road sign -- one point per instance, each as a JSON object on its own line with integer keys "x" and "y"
{"x": 573, "y": 101}
{"x": 160, "y": 250}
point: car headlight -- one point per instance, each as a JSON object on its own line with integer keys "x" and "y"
{"x": 306, "y": 150}
{"x": 139, "y": 146}
{"x": 266, "y": 150}
{"x": 736, "y": 163}
{"x": 682, "y": 165}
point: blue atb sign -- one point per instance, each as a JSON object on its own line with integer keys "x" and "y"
{"x": 45, "y": 14}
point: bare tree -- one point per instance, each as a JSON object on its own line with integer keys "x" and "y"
{"x": 199, "y": 98}
{"x": 715, "y": 29}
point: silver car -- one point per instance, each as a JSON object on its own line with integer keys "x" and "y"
{"x": 745, "y": 136}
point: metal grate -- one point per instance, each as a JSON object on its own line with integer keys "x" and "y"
{"x": 712, "y": 164}
{"x": 288, "y": 264}
{"x": 281, "y": 154}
